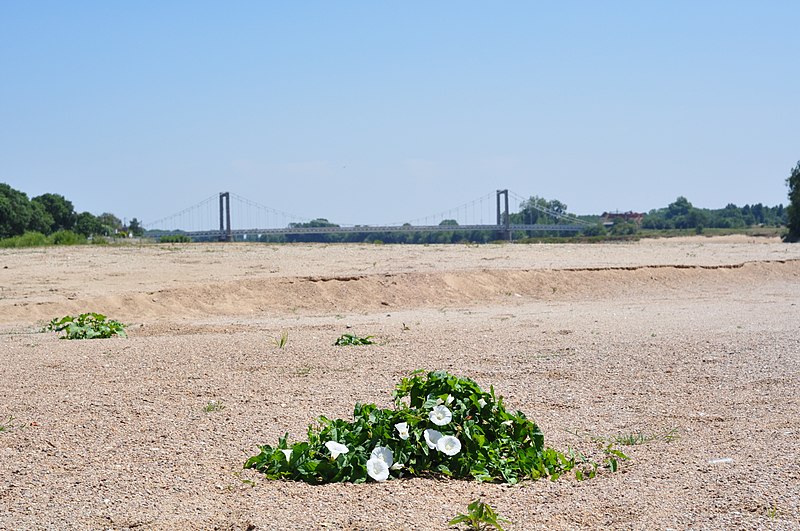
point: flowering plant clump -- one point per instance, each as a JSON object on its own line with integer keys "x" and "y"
{"x": 440, "y": 424}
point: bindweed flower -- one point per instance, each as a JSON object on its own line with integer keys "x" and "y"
{"x": 336, "y": 448}
{"x": 397, "y": 466}
{"x": 448, "y": 401}
{"x": 432, "y": 437}
{"x": 384, "y": 454}
{"x": 448, "y": 445}
{"x": 482, "y": 403}
{"x": 441, "y": 415}
{"x": 288, "y": 454}
{"x": 377, "y": 469}
{"x": 402, "y": 430}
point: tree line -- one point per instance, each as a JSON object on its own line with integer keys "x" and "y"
{"x": 681, "y": 214}
{"x": 49, "y": 214}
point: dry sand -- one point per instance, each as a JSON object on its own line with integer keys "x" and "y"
{"x": 694, "y": 342}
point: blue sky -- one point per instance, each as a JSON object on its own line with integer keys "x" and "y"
{"x": 373, "y": 112}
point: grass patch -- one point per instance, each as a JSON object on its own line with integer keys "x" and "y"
{"x": 214, "y": 405}
{"x": 634, "y": 438}
{"x": 281, "y": 341}
{"x": 7, "y": 425}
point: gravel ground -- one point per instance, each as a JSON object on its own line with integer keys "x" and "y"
{"x": 694, "y": 344}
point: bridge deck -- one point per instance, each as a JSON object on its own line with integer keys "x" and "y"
{"x": 377, "y": 229}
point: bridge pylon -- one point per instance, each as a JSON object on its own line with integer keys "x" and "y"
{"x": 503, "y": 217}
{"x": 225, "y": 233}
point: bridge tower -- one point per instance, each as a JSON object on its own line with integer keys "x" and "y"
{"x": 225, "y": 234}
{"x": 503, "y": 218}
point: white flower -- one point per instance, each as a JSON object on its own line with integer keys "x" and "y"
{"x": 288, "y": 454}
{"x": 431, "y": 437}
{"x": 402, "y": 429}
{"x": 397, "y": 466}
{"x": 448, "y": 445}
{"x": 482, "y": 403}
{"x": 336, "y": 448}
{"x": 384, "y": 454}
{"x": 377, "y": 469}
{"x": 441, "y": 415}
{"x": 448, "y": 401}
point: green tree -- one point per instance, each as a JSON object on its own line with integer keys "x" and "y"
{"x": 318, "y": 222}
{"x": 623, "y": 228}
{"x": 539, "y": 210}
{"x": 15, "y": 211}
{"x": 88, "y": 224}
{"x": 111, "y": 223}
{"x": 793, "y": 210}
{"x": 135, "y": 228}
{"x": 41, "y": 220}
{"x": 730, "y": 217}
{"x": 683, "y": 215}
{"x": 657, "y": 219}
{"x": 314, "y": 223}
{"x": 60, "y": 210}
{"x": 680, "y": 207}
{"x": 594, "y": 230}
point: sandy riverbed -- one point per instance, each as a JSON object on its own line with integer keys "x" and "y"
{"x": 694, "y": 341}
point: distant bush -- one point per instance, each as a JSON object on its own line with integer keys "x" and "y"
{"x": 28, "y": 239}
{"x": 37, "y": 239}
{"x": 66, "y": 237}
{"x": 176, "y": 238}
{"x": 594, "y": 230}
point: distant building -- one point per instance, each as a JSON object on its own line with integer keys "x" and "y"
{"x": 609, "y": 218}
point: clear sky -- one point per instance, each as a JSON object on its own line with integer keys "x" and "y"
{"x": 373, "y": 112}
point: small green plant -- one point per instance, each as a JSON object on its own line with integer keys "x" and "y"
{"x": 585, "y": 468}
{"x": 639, "y": 437}
{"x": 632, "y": 439}
{"x": 87, "y": 326}
{"x": 281, "y": 341}
{"x": 213, "y": 406}
{"x": 772, "y": 512}
{"x": 8, "y": 425}
{"x": 480, "y": 516}
{"x": 350, "y": 339}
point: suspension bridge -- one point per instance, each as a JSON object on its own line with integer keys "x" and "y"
{"x": 487, "y": 213}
